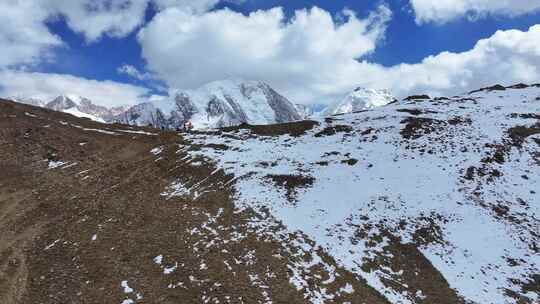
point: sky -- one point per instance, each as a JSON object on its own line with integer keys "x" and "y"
{"x": 118, "y": 52}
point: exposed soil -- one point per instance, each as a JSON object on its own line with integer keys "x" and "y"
{"x": 85, "y": 206}
{"x": 416, "y": 127}
{"x": 333, "y": 130}
{"x": 350, "y": 161}
{"x": 293, "y": 129}
{"x": 292, "y": 183}
{"x": 459, "y": 121}
{"x": 519, "y": 134}
{"x": 72, "y": 234}
{"x": 496, "y": 87}
{"x": 526, "y": 116}
{"x": 417, "y": 277}
{"x": 518, "y": 86}
{"x": 417, "y": 97}
{"x": 416, "y": 112}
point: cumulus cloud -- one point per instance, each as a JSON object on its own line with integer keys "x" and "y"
{"x": 304, "y": 56}
{"x": 312, "y": 58}
{"x": 27, "y": 41}
{"x": 506, "y": 57}
{"x": 47, "y": 86}
{"x": 191, "y": 5}
{"x": 115, "y": 18}
{"x": 94, "y": 18}
{"x": 133, "y": 72}
{"x": 442, "y": 11}
{"x": 24, "y": 37}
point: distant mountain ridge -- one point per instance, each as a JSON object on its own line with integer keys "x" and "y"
{"x": 429, "y": 200}
{"x": 76, "y": 105}
{"x": 28, "y": 100}
{"x": 424, "y": 201}
{"x": 305, "y": 111}
{"x": 143, "y": 114}
{"x": 215, "y": 105}
{"x": 361, "y": 99}
{"x": 84, "y": 107}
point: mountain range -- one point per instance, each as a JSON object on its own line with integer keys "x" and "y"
{"x": 215, "y": 105}
{"x": 424, "y": 201}
{"x": 360, "y": 99}
{"x": 76, "y": 105}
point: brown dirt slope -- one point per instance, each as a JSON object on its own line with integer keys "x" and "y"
{"x": 74, "y": 233}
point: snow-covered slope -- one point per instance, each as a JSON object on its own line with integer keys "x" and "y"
{"x": 415, "y": 198}
{"x": 83, "y": 107}
{"x": 144, "y": 114}
{"x": 76, "y": 112}
{"x": 361, "y": 99}
{"x": 63, "y": 102}
{"x": 28, "y": 100}
{"x": 220, "y": 104}
{"x": 233, "y": 102}
{"x": 304, "y": 111}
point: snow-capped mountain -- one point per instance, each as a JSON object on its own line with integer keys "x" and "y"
{"x": 114, "y": 111}
{"x": 360, "y": 99}
{"x": 427, "y": 201}
{"x": 62, "y": 103}
{"x": 86, "y": 106}
{"x": 215, "y": 105}
{"x": 83, "y": 107}
{"x": 28, "y": 100}
{"x": 144, "y": 114}
{"x": 304, "y": 111}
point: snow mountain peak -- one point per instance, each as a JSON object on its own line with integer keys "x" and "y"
{"x": 361, "y": 99}
{"x": 61, "y": 103}
{"x": 82, "y": 107}
{"x": 217, "y": 104}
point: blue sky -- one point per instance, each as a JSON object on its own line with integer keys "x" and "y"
{"x": 410, "y": 32}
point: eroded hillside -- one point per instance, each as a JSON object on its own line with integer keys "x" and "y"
{"x": 425, "y": 201}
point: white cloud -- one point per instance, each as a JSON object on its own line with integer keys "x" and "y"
{"x": 93, "y": 18}
{"x": 133, "y": 72}
{"x": 192, "y": 5}
{"x": 311, "y": 58}
{"x": 115, "y": 18}
{"x": 314, "y": 59}
{"x": 506, "y": 57}
{"x": 26, "y": 39}
{"x": 441, "y": 11}
{"x": 23, "y": 35}
{"x": 303, "y": 57}
{"x": 47, "y": 86}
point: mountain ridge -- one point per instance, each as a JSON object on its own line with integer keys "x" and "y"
{"x": 360, "y": 99}
{"x": 218, "y": 104}
{"x": 421, "y": 201}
